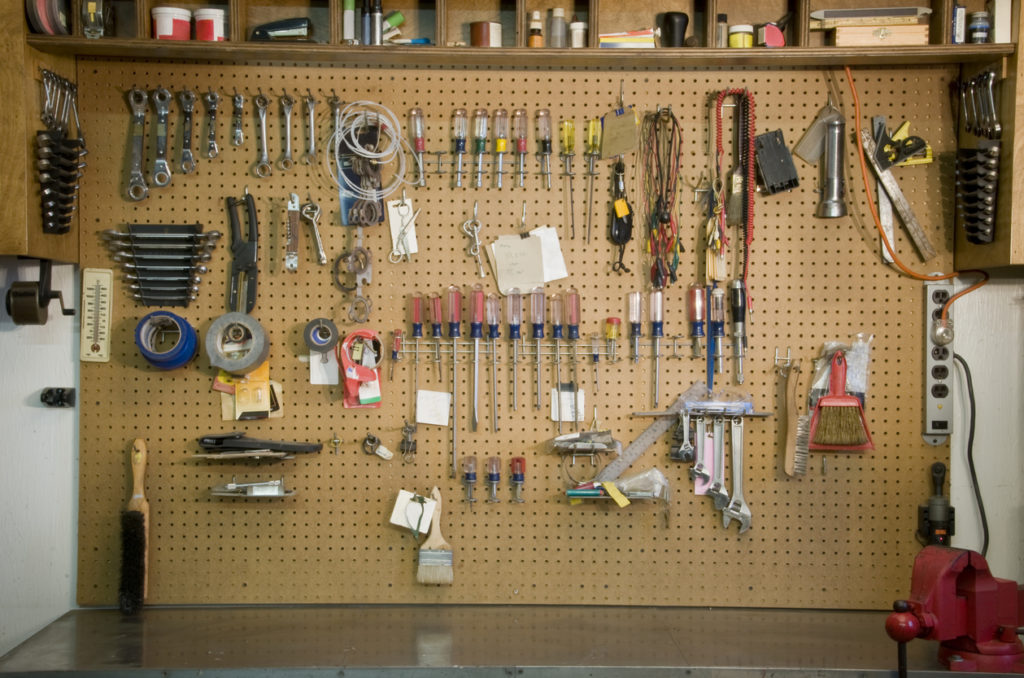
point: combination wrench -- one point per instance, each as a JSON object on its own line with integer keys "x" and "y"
{"x": 162, "y": 104}
{"x": 287, "y": 102}
{"x": 212, "y": 100}
{"x": 737, "y": 508}
{"x": 187, "y": 98}
{"x": 139, "y": 102}
{"x": 238, "y": 106}
{"x": 717, "y": 490}
{"x": 263, "y": 168}
{"x": 309, "y": 158}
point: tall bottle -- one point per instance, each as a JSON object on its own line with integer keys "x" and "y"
{"x": 557, "y": 28}
{"x": 536, "y": 37}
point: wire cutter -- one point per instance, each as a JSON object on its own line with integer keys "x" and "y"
{"x": 244, "y": 270}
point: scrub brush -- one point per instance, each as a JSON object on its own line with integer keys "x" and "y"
{"x": 134, "y": 536}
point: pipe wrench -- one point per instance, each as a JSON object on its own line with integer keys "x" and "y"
{"x": 244, "y": 270}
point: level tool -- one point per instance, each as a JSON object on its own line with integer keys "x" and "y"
{"x": 97, "y": 284}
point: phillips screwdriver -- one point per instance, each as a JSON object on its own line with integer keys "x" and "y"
{"x": 656, "y": 309}
{"x": 611, "y": 337}
{"x": 556, "y": 334}
{"x": 695, "y": 309}
{"x": 593, "y": 150}
{"x": 595, "y": 354}
{"x": 476, "y": 324}
{"x": 493, "y": 478}
{"x": 469, "y": 479}
{"x": 493, "y": 318}
{"x": 537, "y": 320}
{"x": 738, "y": 307}
{"x": 454, "y": 332}
{"x": 500, "y": 141}
{"x": 460, "y": 128}
{"x": 419, "y": 141}
{"x": 520, "y": 130}
{"x": 544, "y": 145}
{"x": 518, "y": 468}
{"x": 396, "y": 352}
{"x": 635, "y": 304}
{"x": 514, "y": 313}
{"x": 435, "y": 330}
{"x": 716, "y": 326}
{"x": 568, "y": 139}
{"x": 417, "y": 334}
{"x": 572, "y": 320}
{"x": 479, "y": 143}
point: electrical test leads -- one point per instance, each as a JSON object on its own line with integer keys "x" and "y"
{"x": 500, "y": 128}
{"x": 417, "y": 131}
{"x": 544, "y": 145}
{"x": 520, "y": 131}
{"x": 460, "y": 129}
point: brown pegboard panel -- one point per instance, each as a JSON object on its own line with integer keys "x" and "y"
{"x": 839, "y": 537}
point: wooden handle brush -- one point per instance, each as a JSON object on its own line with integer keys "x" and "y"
{"x": 796, "y": 440}
{"x": 435, "y": 558}
{"x": 135, "y": 536}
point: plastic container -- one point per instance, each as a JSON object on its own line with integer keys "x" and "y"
{"x": 741, "y": 35}
{"x": 978, "y": 30}
{"x": 536, "y": 37}
{"x": 210, "y": 24}
{"x": 578, "y": 34}
{"x": 557, "y": 28}
{"x": 172, "y": 23}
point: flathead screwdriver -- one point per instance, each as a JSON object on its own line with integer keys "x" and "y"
{"x": 514, "y": 313}
{"x": 635, "y": 309}
{"x": 454, "y": 332}
{"x": 556, "y": 334}
{"x": 656, "y": 310}
{"x": 476, "y": 324}
{"x": 544, "y": 145}
{"x": 572, "y": 320}
{"x": 537, "y": 321}
{"x": 493, "y": 319}
{"x": 435, "y": 330}
{"x": 500, "y": 127}
{"x": 480, "y": 143}
{"x": 520, "y": 131}
{"x": 460, "y": 128}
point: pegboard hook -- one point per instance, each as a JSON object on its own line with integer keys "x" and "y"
{"x": 784, "y": 363}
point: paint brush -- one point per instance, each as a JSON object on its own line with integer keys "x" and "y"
{"x": 435, "y": 558}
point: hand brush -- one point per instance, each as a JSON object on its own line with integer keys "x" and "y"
{"x": 797, "y": 426}
{"x": 134, "y": 536}
{"x": 435, "y": 559}
{"x": 838, "y": 422}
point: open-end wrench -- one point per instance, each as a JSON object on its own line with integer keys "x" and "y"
{"x": 309, "y": 157}
{"x": 737, "y": 508}
{"x": 211, "y": 99}
{"x": 717, "y": 490}
{"x": 995, "y": 130}
{"x": 187, "y": 98}
{"x": 139, "y": 102}
{"x": 263, "y": 168}
{"x": 286, "y": 162}
{"x": 311, "y": 213}
{"x": 698, "y": 470}
{"x": 161, "y": 170}
{"x": 238, "y": 106}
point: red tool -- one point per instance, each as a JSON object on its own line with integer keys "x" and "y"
{"x": 838, "y": 422}
{"x": 955, "y": 599}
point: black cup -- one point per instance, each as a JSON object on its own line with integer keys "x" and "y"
{"x": 673, "y": 28}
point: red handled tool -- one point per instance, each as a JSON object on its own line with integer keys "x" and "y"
{"x": 838, "y": 422}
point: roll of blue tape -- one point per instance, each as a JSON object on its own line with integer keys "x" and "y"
{"x": 177, "y": 355}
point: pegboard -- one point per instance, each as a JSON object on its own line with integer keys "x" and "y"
{"x": 842, "y": 536}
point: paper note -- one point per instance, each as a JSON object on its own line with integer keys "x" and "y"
{"x": 432, "y": 407}
{"x": 551, "y": 253}
{"x": 323, "y": 368}
{"x": 618, "y": 133}
{"x": 566, "y": 412}
{"x": 517, "y": 262}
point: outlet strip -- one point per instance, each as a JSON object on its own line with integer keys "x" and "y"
{"x": 938, "y": 367}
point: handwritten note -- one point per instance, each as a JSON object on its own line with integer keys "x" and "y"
{"x": 528, "y": 262}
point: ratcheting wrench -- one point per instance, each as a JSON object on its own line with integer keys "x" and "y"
{"x": 263, "y": 167}
{"x": 212, "y": 100}
{"x": 139, "y": 101}
{"x": 286, "y": 162}
{"x": 187, "y": 98}
{"x": 309, "y": 158}
{"x": 161, "y": 170}
{"x": 238, "y": 105}
{"x": 737, "y": 508}
{"x": 717, "y": 490}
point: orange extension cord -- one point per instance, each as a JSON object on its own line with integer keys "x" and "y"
{"x": 878, "y": 221}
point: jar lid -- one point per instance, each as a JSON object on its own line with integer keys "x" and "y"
{"x": 979, "y": 15}
{"x": 741, "y": 28}
{"x": 558, "y": 11}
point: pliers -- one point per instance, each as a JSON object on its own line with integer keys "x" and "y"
{"x": 243, "y": 264}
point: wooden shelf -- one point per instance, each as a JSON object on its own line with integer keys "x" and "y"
{"x": 518, "y": 57}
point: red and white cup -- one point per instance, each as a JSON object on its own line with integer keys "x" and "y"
{"x": 210, "y": 24}
{"x": 172, "y": 23}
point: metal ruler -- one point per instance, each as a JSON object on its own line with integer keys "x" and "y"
{"x": 899, "y": 201}
{"x": 636, "y": 448}
{"x": 97, "y": 287}
{"x": 884, "y": 204}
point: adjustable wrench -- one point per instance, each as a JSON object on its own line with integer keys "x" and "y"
{"x": 212, "y": 100}
{"x": 309, "y": 158}
{"x": 698, "y": 470}
{"x": 717, "y": 490}
{"x": 187, "y": 98}
{"x": 139, "y": 102}
{"x": 238, "y": 104}
{"x": 311, "y": 213}
{"x": 263, "y": 167}
{"x": 286, "y": 162}
{"x": 291, "y": 247}
{"x": 737, "y": 508}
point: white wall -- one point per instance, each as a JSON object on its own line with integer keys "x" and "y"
{"x": 39, "y": 469}
{"x": 989, "y": 334}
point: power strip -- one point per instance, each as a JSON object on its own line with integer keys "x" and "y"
{"x": 938, "y": 364}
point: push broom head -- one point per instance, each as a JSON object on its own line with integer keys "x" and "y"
{"x": 838, "y": 422}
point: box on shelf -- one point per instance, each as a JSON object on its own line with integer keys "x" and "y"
{"x": 878, "y": 36}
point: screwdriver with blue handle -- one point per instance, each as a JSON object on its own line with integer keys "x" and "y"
{"x": 493, "y": 318}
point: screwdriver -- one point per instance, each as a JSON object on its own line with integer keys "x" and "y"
{"x": 611, "y": 337}
{"x": 716, "y": 326}
{"x": 695, "y": 308}
{"x": 537, "y": 320}
{"x": 460, "y": 127}
{"x": 514, "y": 313}
{"x": 500, "y": 141}
{"x": 595, "y": 354}
{"x": 493, "y": 478}
{"x": 568, "y": 138}
{"x": 479, "y": 143}
{"x": 556, "y": 334}
{"x": 417, "y": 334}
{"x": 475, "y": 332}
{"x": 435, "y": 330}
{"x": 656, "y": 309}
{"x": 593, "y": 150}
{"x": 396, "y": 352}
{"x": 635, "y": 304}
{"x": 738, "y": 307}
{"x": 419, "y": 142}
{"x": 544, "y": 144}
{"x": 572, "y": 317}
{"x": 469, "y": 479}
{"x": 454, "y": 331}
{"x": 493, "y": 318}
{"x": 520, "y": 129}
{"x": 518, "y": 468}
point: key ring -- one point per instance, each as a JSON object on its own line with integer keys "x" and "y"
{"x": 471, "y": 227}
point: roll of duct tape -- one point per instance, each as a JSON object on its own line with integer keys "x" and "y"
{"x": 237, "y": 343}
{"x": 147, "y": 339}
{"x": 321, "y": 335}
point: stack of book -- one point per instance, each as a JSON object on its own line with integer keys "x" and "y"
{"x": 628, "y": 39}
{"x": 873, "y": 27}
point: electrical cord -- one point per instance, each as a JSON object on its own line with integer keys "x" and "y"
{"x": 878, "y": 222}
{"x": 970, "y": 452}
